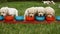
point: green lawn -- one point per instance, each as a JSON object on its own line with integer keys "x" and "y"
{"x": 53, "y": 28}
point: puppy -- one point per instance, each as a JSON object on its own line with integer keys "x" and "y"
{"x": 46, "y": 2}
{"x": 30, "y": 12}
{"x": 3, "y": 11}
{"x": 49, "y": 2}
{"x": 11, "y": 11}
{"x": 49, "y": 11}
{"x": 40, "y": 11}
{"x": 53, "y": 2}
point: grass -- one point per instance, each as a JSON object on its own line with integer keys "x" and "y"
{"x": 53, "y": 28}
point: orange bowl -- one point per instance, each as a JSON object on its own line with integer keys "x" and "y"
{"x": 28, "y": 18}
{"x": 50, "y": 18}
{"x": 9, "y": 18}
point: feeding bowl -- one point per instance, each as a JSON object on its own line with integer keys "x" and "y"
{"x": 19, "y": 18}
{"x": 9, "y": 18}
{"x": 40, "y": 18}
{"x": 1, "y": 18}
{"x": 50, "y": 18}
{"x": 28, "y": 18}
{"x": 58, "y": 18}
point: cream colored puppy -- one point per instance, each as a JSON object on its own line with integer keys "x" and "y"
{"x": 46, "y": 2}
{"x": 3, "y": 11}
{"x": 11, "y": 11}
{"x": 49, "y": 2}
{"x": 30, "y": 12}
{"x": 53, "y": 2}
{"x": 40, "y": 11}
{"x": 49, "y": 11}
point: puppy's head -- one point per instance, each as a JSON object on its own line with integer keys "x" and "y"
{"x": 53, "y": 2}
{"x": 3, "y": 11}
{"x": 40, "y": 13}
{"x": 49, "y": 15}
{"x": 31, "y": 13}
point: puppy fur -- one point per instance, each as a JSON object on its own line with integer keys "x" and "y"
{"x": 10, "y": 11}
{"x": 49, "y": 2}
{"x": 40, "y": 11}
{"x": 30, "y": 12}
{"x": 50, "y": 11}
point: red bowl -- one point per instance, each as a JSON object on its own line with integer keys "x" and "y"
{"x": 28, "y": 18}
{"x": 9, "y": 18}
{"x": 50, "y": 18}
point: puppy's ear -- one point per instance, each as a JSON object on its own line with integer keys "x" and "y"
{"x": 28, "y": 12}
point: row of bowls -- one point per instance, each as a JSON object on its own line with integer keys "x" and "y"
{"x": 21, "y": 18}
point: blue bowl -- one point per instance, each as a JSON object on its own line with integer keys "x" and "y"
{"x": 1, "y": 18}
{"x": 19, "y": 18}
{"x": 40, "y": 18}
{"x": 58, "y": 18}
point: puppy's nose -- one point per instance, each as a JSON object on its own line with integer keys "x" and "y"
{"x": 30, "y": 16}
{"x": 40, "y": 15}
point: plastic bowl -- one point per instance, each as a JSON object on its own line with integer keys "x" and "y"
{"x": 58, "y": 18}
{"x": 19, "y": 18}
{"x": 40, "y": 18}
{"x": 9, "y": 18}
{"x": 1, "y": 18}
{"x": 28, "y": 18}
{"x": 50, "y": 18}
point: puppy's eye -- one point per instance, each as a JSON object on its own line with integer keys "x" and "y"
{"x": 2, "y": 12}
{"x": 32, "y": 13}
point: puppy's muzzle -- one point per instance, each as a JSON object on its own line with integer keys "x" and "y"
{"x": 40, "y": 14}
